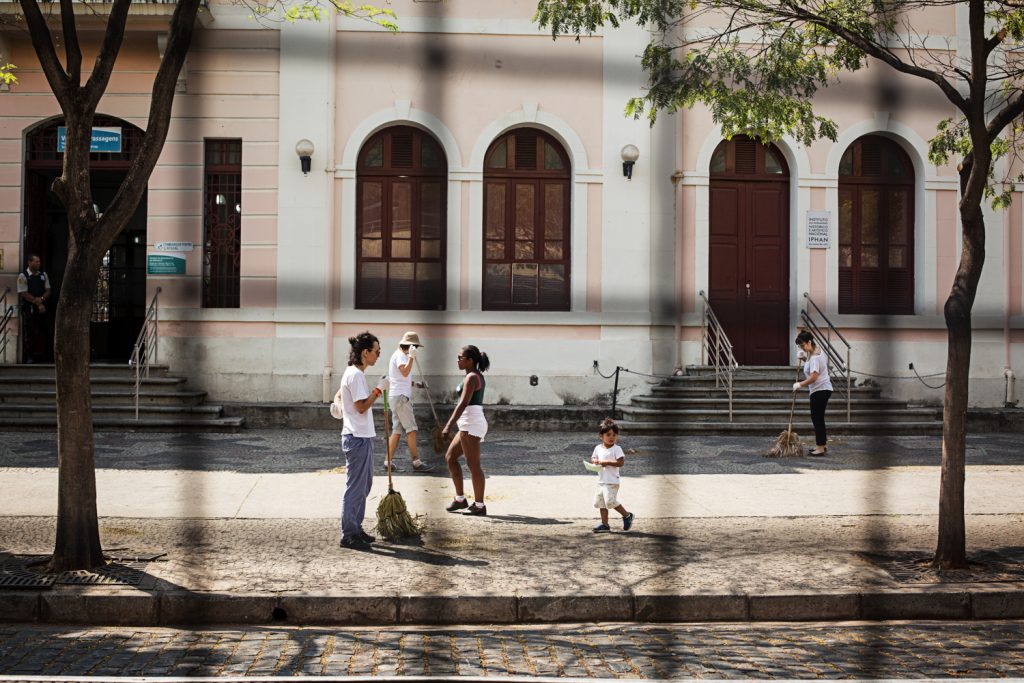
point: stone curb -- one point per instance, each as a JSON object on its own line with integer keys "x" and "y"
{"x": 174, "y": 608}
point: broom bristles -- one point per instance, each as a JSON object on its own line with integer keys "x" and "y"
{"x": 438, "y": 440}
{"x": 786, "y": 446}
{"x": 393, "y": 518}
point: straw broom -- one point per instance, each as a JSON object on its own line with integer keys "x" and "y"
{"x": 437, "y": 439}
{"x": 788, "y": 443}
{"x": 393, "y": 518}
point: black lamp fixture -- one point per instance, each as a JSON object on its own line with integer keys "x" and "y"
{"x": 629, "y": 156}
{"x": 304, "y": 148}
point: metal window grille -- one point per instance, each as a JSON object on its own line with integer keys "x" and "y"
{"x": 222, "y": 223}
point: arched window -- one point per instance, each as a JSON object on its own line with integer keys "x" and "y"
{"x": 876, "y": 228}
{"x": 401, "y": 209}
{"x": 526, "y": 223}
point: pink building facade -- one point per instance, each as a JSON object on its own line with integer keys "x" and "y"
{"x": 466, "y": 181}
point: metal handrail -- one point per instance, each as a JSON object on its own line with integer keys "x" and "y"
{"x": 8, "y": 313}
{"x": 716, "y": 350}
{"x": 146, "y": 346}
{"x": 823, "y": 338}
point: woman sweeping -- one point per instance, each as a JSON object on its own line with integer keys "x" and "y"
{"x": 469, "y": 416}
{"x": 820, "y": 386}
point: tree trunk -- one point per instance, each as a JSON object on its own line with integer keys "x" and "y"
{"x": 951, "y": 550}
{"x": 78, "y": 535}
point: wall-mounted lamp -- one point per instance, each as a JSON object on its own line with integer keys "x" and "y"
{"x": 629, "y": 156}
{"x": 304, "y": 148}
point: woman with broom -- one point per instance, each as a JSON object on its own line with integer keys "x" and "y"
{"x": 357, "y": 435}
{"x": 820, "y": 386}
{"x": 469, "y": 416}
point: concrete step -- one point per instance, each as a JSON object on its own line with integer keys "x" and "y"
{"x": 155, "y": 411}
{"x": 104, "y": 423}
{"x": 803, "y": 428}
{"x": 761, "y": 371}
{"x": 38, "y": 382}
{"x": 773, "y": 402}
{"x": 740, "y": 390}
{"x": 781, "y": 415}
{"x": 105, "y": 397}
{"x": 46, "y": 370}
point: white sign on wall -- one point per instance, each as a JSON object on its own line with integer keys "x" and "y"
{"x": 818, "y": 229}
{"x": 174, "y": 246}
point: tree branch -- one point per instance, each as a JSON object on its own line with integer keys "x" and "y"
{"x": 42, "y": 41}
{"x": 1012, "y": 109}
{"x": 874, "y": 49}
{"x": 179, "y": 37}
{"x": 72, "y": 48}
{"x": 107, "y": 56}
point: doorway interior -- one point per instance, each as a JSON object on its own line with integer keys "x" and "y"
{"x": 120, "y": 302}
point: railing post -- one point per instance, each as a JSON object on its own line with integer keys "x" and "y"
{"x": 615, "y": 391}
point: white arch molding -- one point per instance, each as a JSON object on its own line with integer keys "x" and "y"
{"x": 400, "y": 114}
{"x": 924, "y": 206}
{"x": 799, "y": 203}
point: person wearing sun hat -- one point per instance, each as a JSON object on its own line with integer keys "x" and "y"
{"x": 403, "y": 418}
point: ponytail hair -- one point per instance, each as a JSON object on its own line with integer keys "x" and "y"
{"x": 805, "y": 337}
{"x": 363, "y": 341}
{"x": 480, "y": 358}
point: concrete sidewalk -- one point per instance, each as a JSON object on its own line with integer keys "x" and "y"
{"x": 804, "y": 539}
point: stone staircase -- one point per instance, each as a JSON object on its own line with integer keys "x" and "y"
{"x": 28, "y": 401}
{"x": 691, "y": 404}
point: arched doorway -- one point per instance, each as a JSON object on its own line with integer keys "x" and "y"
{"x": 402, "y": 221}
{"x": 120, "y": 302}
{"x": 748, "y": 269}
{"x": 527, "y": 214}
{"x": 876, "y": 228}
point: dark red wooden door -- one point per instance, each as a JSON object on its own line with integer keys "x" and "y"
{"x": 749, "y": 267}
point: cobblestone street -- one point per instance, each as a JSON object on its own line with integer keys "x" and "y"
{"x": 857, "y": 650}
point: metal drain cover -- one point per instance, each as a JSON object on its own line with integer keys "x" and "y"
{"x": 986, "y": 566}
{"x": 14, "y": 575}
{"x": 129, "y": 574}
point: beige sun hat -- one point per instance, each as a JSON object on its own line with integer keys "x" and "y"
{"x": 410, "y": 338}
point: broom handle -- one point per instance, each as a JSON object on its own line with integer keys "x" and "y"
{"x": 387, "y": 440}
{"x": 792, "y": 405}
{"x": 430, "y": 399}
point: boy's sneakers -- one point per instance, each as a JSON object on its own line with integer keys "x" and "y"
{"x": 602, "y": 528}
{"x": 457, "y": 505}
{"x": 476, "y": 510}
{"x": 627, "y": 522}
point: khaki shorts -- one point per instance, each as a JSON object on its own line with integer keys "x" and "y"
{"x": 402, "y": 416}
{"x": 606, "y": 496}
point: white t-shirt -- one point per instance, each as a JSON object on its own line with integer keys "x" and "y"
{"x": 817, "y": 363}
{"x": 608, "y": 475}
{"x": 400, "y": 386}
{"x": 354, "y": 388}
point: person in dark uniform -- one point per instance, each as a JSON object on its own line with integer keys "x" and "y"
{"x": 34, "y": 290}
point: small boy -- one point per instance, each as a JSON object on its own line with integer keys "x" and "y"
{"x": 610, "y": 457}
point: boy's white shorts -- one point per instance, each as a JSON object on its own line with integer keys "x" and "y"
{"x": 606, "y": 496}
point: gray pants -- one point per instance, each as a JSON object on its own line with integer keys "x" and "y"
{"x": 358, "y": 480}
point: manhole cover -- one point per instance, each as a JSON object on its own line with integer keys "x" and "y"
{"x": 986, "y": 566}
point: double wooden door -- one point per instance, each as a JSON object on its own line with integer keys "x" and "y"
{"x": 749, "y": 267}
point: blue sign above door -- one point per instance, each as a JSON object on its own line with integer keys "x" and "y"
{"x": 106, "y": 140}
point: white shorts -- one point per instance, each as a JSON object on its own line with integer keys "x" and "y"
{"x": 473, "y": 422}
{"x": 606, "y": 496}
